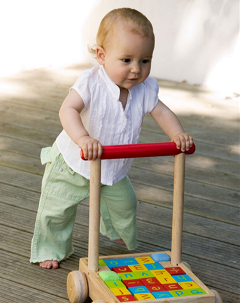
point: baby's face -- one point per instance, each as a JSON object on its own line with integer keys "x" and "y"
{"x": 128, "y": 58}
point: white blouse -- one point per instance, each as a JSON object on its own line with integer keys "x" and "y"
{"x": 107, "y": 121}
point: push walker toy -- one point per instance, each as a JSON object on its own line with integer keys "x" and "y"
{"x": 148, "y": 277}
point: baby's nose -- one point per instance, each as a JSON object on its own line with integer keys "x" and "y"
{"x": 135, "y": 68}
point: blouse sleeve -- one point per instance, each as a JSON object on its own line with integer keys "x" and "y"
{"x": 82, "y": 86}
{"x": 151, "y": 94}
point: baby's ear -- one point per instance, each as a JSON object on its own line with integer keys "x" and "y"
{"x": 100, "y": 53}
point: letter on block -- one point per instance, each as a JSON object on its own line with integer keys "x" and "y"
{"x": 182, "y": 278}
{"x": 138, "y": 267}
{"x": 162, "y": 294}
{"x": 150, "y": 281}
{"x": 133, "y": 283}
{"x": 153, "y": 266}
{"x": 113, "y": 263}
{"x": 173, "y": 286}
{"x": 156, "y": 288}
{"x": 189, "y": 285}
{"x": 138, "y": 290}
{"x": 121, "y": 269}
{"x": 114, "y": 284}
{"x": 128, "y": 276}
{"x": 175, "y": 271}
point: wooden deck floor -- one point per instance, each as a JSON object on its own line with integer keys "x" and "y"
{"x": 29, "y": 104}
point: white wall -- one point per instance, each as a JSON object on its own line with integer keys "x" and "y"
{"x": 196, "y": 40}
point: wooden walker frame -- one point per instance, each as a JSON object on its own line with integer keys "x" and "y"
{"x": 86, "y": 282}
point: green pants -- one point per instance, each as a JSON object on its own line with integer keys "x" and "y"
{"x": 62, "y": 191}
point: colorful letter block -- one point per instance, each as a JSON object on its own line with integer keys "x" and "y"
{"x": 182, "y": 278}
{"x": 187, "y": 285}
{"x": 144, "y": 260}
{"x": 173, "y": 286}
{"x": 120, "y": 291}
{"x": 175, "y": 271}
{"x": 126, "y": 298}
{"x": 128, "y": 276}
{"x": 121, "y": 269}
{"x": 150, "y": 281}
{"x": 114, "y": 284}
{"x": 142, "y": 297}
{"x": 132, "y": 283}
{"x": 113, "y": 263}
{"x": 138, "y": 290}
{"x": 162, "y": 294}
{"x": 128, "y": 261}
{"x": 154, "y": 266}
{"x": 137, "y": 267}
{"x": 144, "y": 274}
{"x": 156, "y": 288}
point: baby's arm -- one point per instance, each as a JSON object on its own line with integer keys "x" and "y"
{"x": 172, "y": 127}
{"x": 71, "y": 121}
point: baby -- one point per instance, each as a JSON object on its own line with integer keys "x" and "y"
{"x": 105, "y": 106}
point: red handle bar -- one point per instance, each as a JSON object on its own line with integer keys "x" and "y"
{"x": 141, "y": 150}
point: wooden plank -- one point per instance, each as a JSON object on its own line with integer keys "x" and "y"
{"x": 15, "y": 292}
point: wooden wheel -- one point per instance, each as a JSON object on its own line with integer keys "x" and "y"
{"x": 77, "y": 287}
{"x": 218, "y": 298}
{"x": 187, "y": 265}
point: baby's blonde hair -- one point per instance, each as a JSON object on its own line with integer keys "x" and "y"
{"x": 138, "y": 24}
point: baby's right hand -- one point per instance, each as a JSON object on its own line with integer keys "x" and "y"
{"x": 92, "y": 149}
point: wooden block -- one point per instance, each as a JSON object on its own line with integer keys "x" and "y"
{"x": 182, "y": 278}
{"x": 166, "y": 280}
{"x": 114, "y": 284}
{"x": 142, "y": 297}
{"x": 120, "y": 291}
{"x": 187, "y": 292}
{"x": 153, "y": 266}
{"x": 128, "y": 261}
{"x": 144, "y": 260}
{"x": 113, "y": 263}
{"x": 126, "y": 298}
{"x": 138, "y": 290}
{"x": 156, "y": 288}
{"x": 160, "y": 257}
{"x": 144, "y": 274}
{"x": 162, "y": 294}
{"x": 187, "y": 285}
{"x": 138, "y": 267}
{"x": 132, "y": 283}
{"x": 101, "y": 263}
{"x": 173, "y": 286}
{"x": 128, "y": 276}
{"x": 121, "y": 269}
{"x": 175, "y": 271}
{"x": 150, "y": 281}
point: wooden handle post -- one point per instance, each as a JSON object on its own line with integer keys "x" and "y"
{"x": 94, "y": 214}
{"x": 178, "y": 202}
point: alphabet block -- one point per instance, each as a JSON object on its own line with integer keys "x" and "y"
{"x": 142, "y": 297}
{"x": 138, "y": 290}
{"x": 156, "y": 288}
{"x": 121, "y": 269}
{"x": 144, "y": 274}
{"x": 128, "y": 261}
{"x": 182, "y": 278}
{"x": 128, "y": 276}
{"x": 120, "y": 291}
{"x": 150, "y": 281}
{"x": 137, "y": 267}
{"x": 162, "y": 294}
{"x": 144, "y": 260}
{"x": 166, "y": 280}
{"x": 133, "y": 283}
{"x": 173, "y": 286}
{"x": 113, "y": 263}
{"x": 153, "y": 266}
{"x": 175, "y": 271}
{"x": 114, "y": 284}
{"x": 126, "y": 298}
{"x": 187, "y": 285}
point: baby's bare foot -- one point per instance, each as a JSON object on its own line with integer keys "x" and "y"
{"x": 49, "y": 264}
{"x": 120, "y": 241}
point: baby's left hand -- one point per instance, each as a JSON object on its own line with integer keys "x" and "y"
{"x": 183, "y": 141}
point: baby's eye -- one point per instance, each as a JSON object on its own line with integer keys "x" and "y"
{"x": 126, "y": 60}
{"x": 145, "y": 61}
